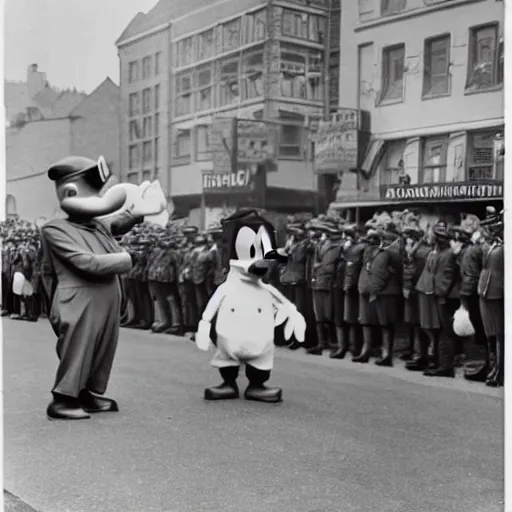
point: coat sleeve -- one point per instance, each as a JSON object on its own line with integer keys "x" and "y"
{"x": 446, "y": 275}
{"x": 64, "y": 247}
{"x": 470, "y": 273}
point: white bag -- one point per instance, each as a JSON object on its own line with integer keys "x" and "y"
{"x": 28, "y": 289}
{"x": 462, "y": 325}
{"x": 18, "y": 283}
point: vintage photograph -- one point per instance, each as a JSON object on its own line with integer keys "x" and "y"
{"x": 253, "y": 256}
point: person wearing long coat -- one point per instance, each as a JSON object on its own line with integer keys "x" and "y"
{"x": 492, "y": 302}
{"x": 379, "y": 289}
{"x": 415, "y": 253}
{"x": 434, "y": 286}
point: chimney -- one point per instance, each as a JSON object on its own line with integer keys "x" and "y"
{"x": 36, "y": 80}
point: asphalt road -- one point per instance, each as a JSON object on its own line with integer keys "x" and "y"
{"x": 347, "y": 438}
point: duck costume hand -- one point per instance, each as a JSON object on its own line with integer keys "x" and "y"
{"x": 203, "y": 339}
{"x": 295, "y": 323}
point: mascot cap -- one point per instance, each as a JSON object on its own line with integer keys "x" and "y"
{"x": 73, "y": 166}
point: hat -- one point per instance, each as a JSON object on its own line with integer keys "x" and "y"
{"x": 190, "y": 230}
{"x": 69, "y": 167}
{"x": 412, "y": 231}
{"x": 349, "y": 229}
{"x": 440, "y": 231}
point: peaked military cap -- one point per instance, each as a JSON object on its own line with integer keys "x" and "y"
{"x": 69, "y": 167}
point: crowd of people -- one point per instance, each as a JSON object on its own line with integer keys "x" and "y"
{"x": 354, "y": 284}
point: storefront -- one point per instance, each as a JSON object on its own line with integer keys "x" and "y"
{"x": 439, "y": 176}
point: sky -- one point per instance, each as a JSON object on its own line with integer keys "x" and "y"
{"x": 72, "y": 41}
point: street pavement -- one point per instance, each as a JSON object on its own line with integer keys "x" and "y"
{"x": 347, "y": 438}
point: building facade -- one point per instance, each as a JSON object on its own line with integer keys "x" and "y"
{"x": 87, "y": 127}
{"x": 246, "y": 59}
{"x": 429, "y": 73}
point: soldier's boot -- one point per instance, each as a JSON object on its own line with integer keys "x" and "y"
{"x": 446, "y": 366}
{"x": 386, "y": 358}
{"x": 257, "y": 390}
{"x": 228, "y": 390}
{"x": 497, "y": 376}
{"x": 343, "y": 345}
{"x": 408, "y": 355}
{"x": 366, "y": 351}
{"x": 420, "y": 361}
{"x": 320, "y": 333}
{"x": 332, "y": 336}
{"x": 480, "y": 372}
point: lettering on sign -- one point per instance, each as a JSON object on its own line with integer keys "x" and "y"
{"x": 227, "y": 182}
{"x": 440, "y": 192}
{"x": 335, "y": 147}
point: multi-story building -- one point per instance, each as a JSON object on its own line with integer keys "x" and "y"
{"x": 430, "y": 75}
{"x": 250, "y": 59}
{"x": 52, "y": 126}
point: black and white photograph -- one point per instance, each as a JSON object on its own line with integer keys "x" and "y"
{"x": 253, "y": 256}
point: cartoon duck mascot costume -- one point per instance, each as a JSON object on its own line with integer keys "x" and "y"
{"x": 81, "y": 267}
{"x": 247, "y": 310}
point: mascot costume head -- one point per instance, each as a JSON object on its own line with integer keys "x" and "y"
{"x": 246, "y": 311}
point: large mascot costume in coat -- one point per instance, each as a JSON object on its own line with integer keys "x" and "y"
{"x": 81, "y": 265}
{"x": 246, "y": 311}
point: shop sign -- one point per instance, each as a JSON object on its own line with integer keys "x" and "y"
{"x": 222, "y": 134}
{"x": 443, "y": 191}
{"x": 256, "y": 141}
{"x": 335, "y": 147}
{"x": 221, "y": 182}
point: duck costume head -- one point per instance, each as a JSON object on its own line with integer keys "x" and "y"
{"x": 251, "y": 243}
{"x": 243, "y": 312}
{"x": 86, "y": 189}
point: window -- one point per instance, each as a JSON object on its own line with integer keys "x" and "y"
{"x": 133, "y": 157}
{"x": 146, "y": 175}
{"x": 389, "y": 7}
{"x": 301, "y": 73}
{"x": 146, "y": 68}
{"x": 158, "y": 62}
{"x": 134, "y": 130}
{"x": 291, "y": 137}
{"x": 157, "y": 150}
{"x": 147, "y": 127}
{"x": 434, "y": 160}
{"x": 133, "y": 71}
{"x": 255, "y": 27}
{"x": 317, "y": 25}
{"x": 303, "y": 25}
{"x": 183, "y": 94}
{"x": 252, "y": 81}
{"x": 393, "y": 162}
{"x": 436, "y": 70}
{"x": 133, "y": 178}
{"x": 393, "y": 73}
{"x": 147, "y": 152}
{"x": 134, "y": 104}
{"x": 231, "y": 35}
{"x": 157, "y": 97}
{"x": 204, "y": 85}
{"x": 203, "y": 141}
{"x": 485, "y": 66}
{"x": 206, "y": 45}
{"x": 185, "y": 52}
{"x": 146, "y": 101}
{"x": 481, "y": 156}
{"x": 157, "y": 125}
{"x": 294, "y": 24}
{"x": 182, "y": 144}
{"x": 229, "y": 87}
{"x": 293, "y": 72}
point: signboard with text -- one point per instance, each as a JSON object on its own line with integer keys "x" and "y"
{"x": 222, "y": 134}
{"x": 336, "y": 148}
{"x": 468, "y": 190}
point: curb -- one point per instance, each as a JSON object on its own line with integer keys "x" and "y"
{"x": 14, "y": 504}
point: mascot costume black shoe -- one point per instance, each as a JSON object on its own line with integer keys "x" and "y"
{"x": 246, "y": 311}
{"x": 81, "y": 267}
